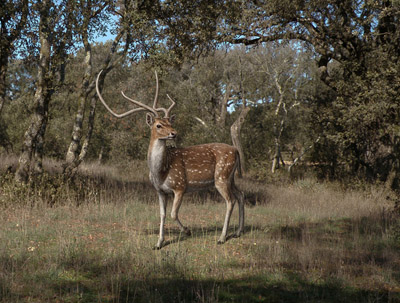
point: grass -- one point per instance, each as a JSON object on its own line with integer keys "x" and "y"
{"x": 92, "y": 241}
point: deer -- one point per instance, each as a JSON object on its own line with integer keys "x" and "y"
{"x": 186, "y": 169}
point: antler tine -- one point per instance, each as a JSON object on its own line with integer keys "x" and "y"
{"x": 171, "y": 106}
{"x": 158, "y": 109}
{"x": 108, "y": 108}
{"x": 156, "y": 96}
{"x": 142, "y": 105}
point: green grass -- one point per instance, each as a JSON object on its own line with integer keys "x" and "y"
{"x": 92, "y": 241}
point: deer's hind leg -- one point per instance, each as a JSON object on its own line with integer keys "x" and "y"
{"x": 224, "y": 188}
{"x": 240, "y": 198}
{"x": 178, "y": 195}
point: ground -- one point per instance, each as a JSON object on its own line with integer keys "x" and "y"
{"x": 92, "y": 241}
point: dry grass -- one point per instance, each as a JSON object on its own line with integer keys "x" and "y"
{"x": 91, "y": 241}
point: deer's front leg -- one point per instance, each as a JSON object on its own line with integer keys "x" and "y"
{"x": 163, "y": 208}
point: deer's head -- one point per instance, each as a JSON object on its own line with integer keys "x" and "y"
{"x": 161, "y": 128}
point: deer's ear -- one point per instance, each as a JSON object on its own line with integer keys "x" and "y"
{"x": 149, "y": 119}
{"x": 172, "y": 119}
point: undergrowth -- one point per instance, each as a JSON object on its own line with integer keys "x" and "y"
{"x": 91, "y": 239}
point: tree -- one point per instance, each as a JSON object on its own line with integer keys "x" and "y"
{"x": 287, "y": 71}
{"x": 13, "y": 17}
{"x": 92, "y": 13}
{"x": 357, "y": 50}
{"x": 54, "y": 36}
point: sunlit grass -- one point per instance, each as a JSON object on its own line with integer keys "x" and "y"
{"x": 303, "y": 242}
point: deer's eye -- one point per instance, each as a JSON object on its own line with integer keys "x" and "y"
{"x": 158, "y": 125}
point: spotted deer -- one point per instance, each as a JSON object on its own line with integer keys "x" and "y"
{"x": 180, "y": 170}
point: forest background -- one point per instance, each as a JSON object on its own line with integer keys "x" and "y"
{"x": 320, "y": 82}
{"x": 308, "y": 91}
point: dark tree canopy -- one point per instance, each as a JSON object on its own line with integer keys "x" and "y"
{"x": 347, "y": 79}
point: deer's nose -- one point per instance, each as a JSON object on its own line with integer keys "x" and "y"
{"x": 172, "y": 134}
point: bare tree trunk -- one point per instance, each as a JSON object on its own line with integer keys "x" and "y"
{"x": 275, "y": 160}
{"x": 77, "y": 151}
{"x": 224, "y": 107}
{"x": 279, "y": 127}
{"x": 70, "y": 170}
{"x": 277, "y": 155}
{"x": 72, "y": 157}
{"x": 100, "y": 157}
{"x": 38, "y": 152}
{"x": 42, "y": 97}
{"x": 237, "y": 125}
{"x": 85, "y": 145}
{"x": 235, "y": 134}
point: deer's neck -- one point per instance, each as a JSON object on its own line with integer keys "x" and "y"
{"x": 157, "y": 160}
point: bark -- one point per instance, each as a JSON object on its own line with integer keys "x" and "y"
{"x": 38, "y": 151}
{"x": 34, "y": 135}
{"x": 73, "y": 150}
{"x": 85, "y": 145}
{"x": 71, "y": 168}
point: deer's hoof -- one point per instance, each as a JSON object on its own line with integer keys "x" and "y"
{"x": 188, "y": 232}
{"x": 221, "y": 241}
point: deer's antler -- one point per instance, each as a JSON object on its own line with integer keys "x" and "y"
{"x": 142, "y": 107}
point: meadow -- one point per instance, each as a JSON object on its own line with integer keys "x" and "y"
{"x": 91, "y": 240}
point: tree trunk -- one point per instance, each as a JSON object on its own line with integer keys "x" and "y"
{"x": 70, "y": 170}
{"x": 100, "y": 157}
{"x": 3, "y": 73}
{"x": 277, "y": 155}
{"x": 38, "y": 152}
{"x": 278, "y": 129}
{"x": 75, "y": 156}
{"x": 224, "y": 108}
{"x": 235, "y": 134}
{"x": 37, "y": 127}
{"x": 72, "y": 157}
{"x": 85, "y": 145}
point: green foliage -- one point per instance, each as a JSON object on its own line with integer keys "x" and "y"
{"x": 360, "y": 125}
{"x": 327, "y": 72}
